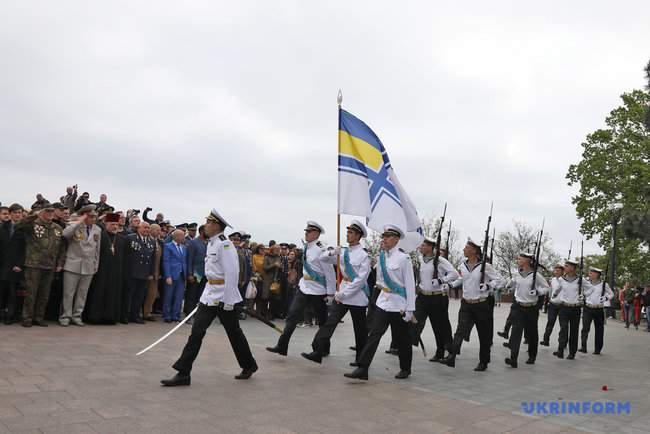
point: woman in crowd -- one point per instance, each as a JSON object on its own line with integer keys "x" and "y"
{"x": 271, "y": 282}
{"x": 258, "y": 274}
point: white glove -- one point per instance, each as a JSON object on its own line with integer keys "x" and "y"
{"x": 602, "y": 299}
{"x": 329, "y": 299}
{"x": 335, "y": 251}
{"x": 445, "y": 287}
{"x": 408, "y": 316}
{"x": 484, "y": 287}
{"x": 339, "y": 296}
{"x": 228, "y": 307}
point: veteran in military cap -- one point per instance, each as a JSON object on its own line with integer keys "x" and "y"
{"x": 218, "y": 300}
{"x": 81, "y": 263}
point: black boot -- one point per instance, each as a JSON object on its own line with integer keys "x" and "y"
{"x": 246, "y": 373}
{"x": 314, "y": 356}
{"x": 276, "y": 349}
{"x": 450, "y": 360}
{"x": 511, "y": 362}
{"x": 177, "y": 380}
{"x": 360, "y": 373}
{"x": 481, "y": 367}
{"x": 402, "y": 374}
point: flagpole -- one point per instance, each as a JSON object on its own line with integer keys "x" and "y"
{"x": 339, "y": 100}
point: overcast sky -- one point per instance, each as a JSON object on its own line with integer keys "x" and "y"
{"x": 185, "y": 106}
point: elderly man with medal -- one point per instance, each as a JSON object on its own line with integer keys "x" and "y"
{"x": 394, "y": 307}
{"x": 352, "y": 295}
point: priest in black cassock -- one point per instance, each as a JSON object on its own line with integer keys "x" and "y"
{"x": 103, "y": 305}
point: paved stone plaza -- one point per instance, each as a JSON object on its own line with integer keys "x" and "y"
{"x": 88, "y": 380}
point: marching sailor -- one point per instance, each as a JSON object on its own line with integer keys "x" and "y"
{"x": 595, "y": 297}
{"x": 316, "y": 288}
{"x": 352, "y": 295}
{"x": 220, "y": 296}
{"x": 554, "y": 304}
{"x": 570, "y": 295}
{"x": 527, "y": 288}
{"x": 433, "y": 297}
{"x": 395, "y": 304}
{"x": 474, "y": 306}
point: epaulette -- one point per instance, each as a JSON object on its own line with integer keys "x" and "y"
{"x": 222, "y": 237}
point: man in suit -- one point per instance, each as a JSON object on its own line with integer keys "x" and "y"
{"x": 174, "y": 266}
{"x": 81, "y": 262}
{"x": 141, "y": 250}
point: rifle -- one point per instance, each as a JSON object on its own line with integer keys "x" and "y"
{"x": 602, "y": 292}
{"x": 570, "y": 247}
{"x": 485, "y": 244}
{"x": 538, "y": 250}
{"x": 494, "y": 234}
{"x": 436, "y": 259}
{"x": 448, "y": 235}
{"x": 582, "y": 262}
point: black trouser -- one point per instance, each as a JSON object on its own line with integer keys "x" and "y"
{"x": 569, "y": 323}
{"x": 436, "y": 308}
{"x": 8, "y": 300}
{"x": 597, "y": 315}
{"x": 321, "y": 342}
{"x": 193, "y": 293}
{"x": 524, "y": 319}
{"x": 138, "y": 291}
{"x": 506, "y": 327}
{"x": 551, "y": 317}
{"x": 471, "y": 314}
{"x": 202, "y": 320}
{"x": 296, "y": 315}
{"x": 381, "y": 319}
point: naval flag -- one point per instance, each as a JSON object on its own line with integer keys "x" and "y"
{"x": 368, "y": 185}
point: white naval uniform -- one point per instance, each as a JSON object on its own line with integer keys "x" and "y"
{"x": 315, "y": 258}
{"x": 555, "y": 286}
{"x": 594, "y": 292}
{"x": 523, "y": 284}
{"x": 221, "y": 263}
{"x": 568, "y": 292}
{"x": 351, "y": 291}
{"x": 446, "y": 273}
{"x": 470, "y": 278}
{"x": 400, "y": 271}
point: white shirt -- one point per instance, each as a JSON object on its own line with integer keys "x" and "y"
{"x": 471, "y": 279}
{"x": 311, "y": 287}
{"x": 221, "y": 263}
{"x": 523, "y": 284}
{"x": 400, "y": 271}
{"x": 446, "y": 272}
{"x": 595, "y": 290}
{"x": 555, "y": 286}
{"x": 351, "y": 291}
{"x": 568, "y": 292}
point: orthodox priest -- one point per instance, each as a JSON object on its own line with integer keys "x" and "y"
{"x": 105, "y": 293}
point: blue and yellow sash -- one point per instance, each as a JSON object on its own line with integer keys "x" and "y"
{"x": 392, "y": 286}
{"x": 310, "y": 272}
{"x": 349, "y": 271}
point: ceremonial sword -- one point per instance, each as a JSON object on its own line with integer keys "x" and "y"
{"x": 236, "y": 308}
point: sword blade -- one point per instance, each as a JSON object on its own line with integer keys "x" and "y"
{"x": 169, "y": 332}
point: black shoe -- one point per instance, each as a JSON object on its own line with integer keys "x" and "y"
{"x": 392, "y": 351}
{"x": 313, "y": 356}
{"x": 246, "y": 373}
{"x": 27, "y": 323}
{"x": 124, "y": 321}
{"x": 355, "y": 364}
{"x": 571, "y": 356}
{"x": 360, "y": 373}
{"x": 40, "y": 323}
{"x": 504, "y": 335}
{"x": 402, "y": 374}
{"x": 511, "y": 362}
{"x": 436, "y": 358}
{"x": 277, "y": 350}
{"x": 559, "y": 354}
{"x": 450, "y": 361}
{"x": 177, "y": 380}
{"x": 530, "y": 361}
{"x": 150, "y": 318}
{"x": 506, "y": 344}
{"x": 583, "y": 350}
{"x": 596, "y": 353}
{"x": 544, "y": 343}
{"x": 481, "y": 367}
{"x": 138, "y": 321}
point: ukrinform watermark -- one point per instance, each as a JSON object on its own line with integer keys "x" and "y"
{"x": 576, "y": 407}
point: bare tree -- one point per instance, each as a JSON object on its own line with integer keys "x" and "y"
{"x": 430, "y": 226}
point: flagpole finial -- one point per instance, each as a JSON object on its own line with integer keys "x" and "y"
{"x": 339, "y": 97}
